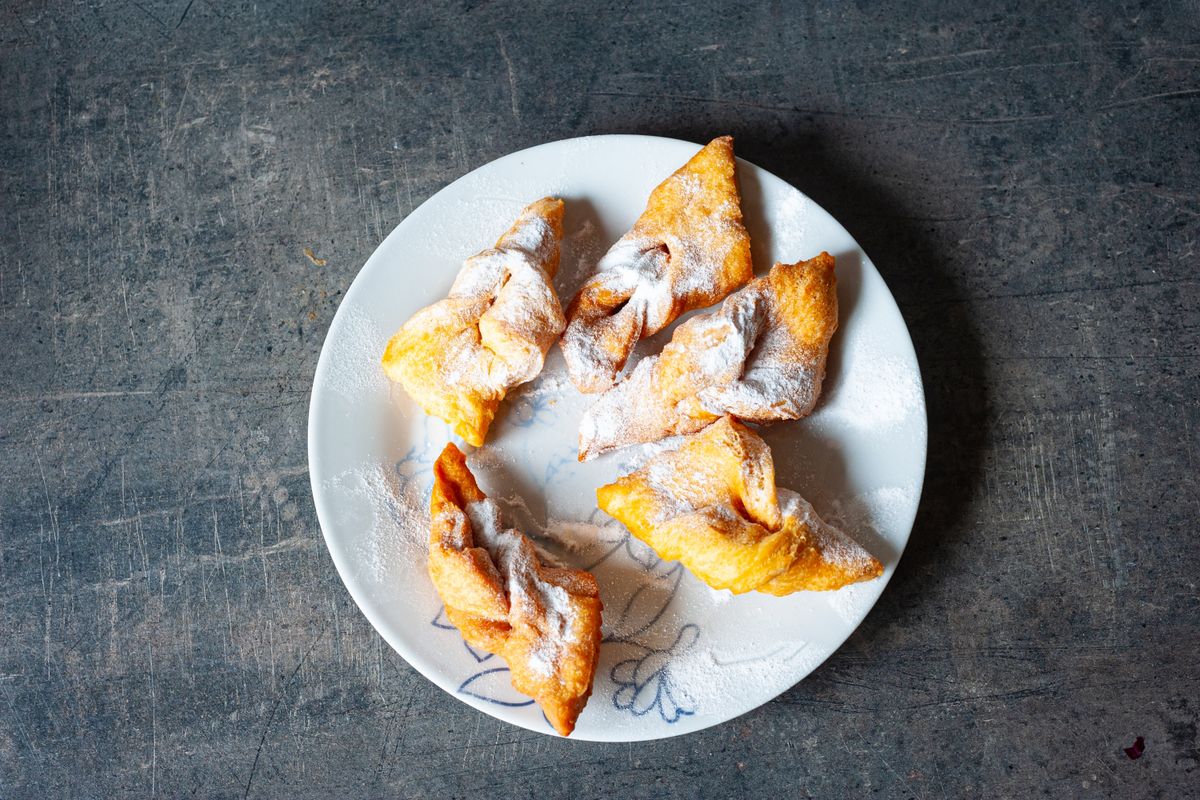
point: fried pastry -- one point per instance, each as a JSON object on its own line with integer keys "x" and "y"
{"x": 543, "y": 621}
{"x": 688, "y": 250}
{"x": 760, "y": 357}
{"x": 712, "y": 505}
{"x": 458, "y": 357}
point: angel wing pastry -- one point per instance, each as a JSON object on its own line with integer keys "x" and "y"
{"x": 543, "y": 621}
{"x": 760, "y": 357}
{"x": 713, "y": 505}
{"x": 459, "y": 357}
{"x": 688, "y": 250}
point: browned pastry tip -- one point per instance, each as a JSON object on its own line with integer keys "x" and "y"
{"x": 687, "y": 250}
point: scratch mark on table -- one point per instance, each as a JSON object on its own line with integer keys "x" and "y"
{"x": 1133, "y": 101}
{"x": 512, "y": 77}
{"x": 262, "y": 740}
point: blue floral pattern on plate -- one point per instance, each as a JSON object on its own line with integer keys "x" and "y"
{"x": 644, "y": 682}
{"x": 639, "y": 683}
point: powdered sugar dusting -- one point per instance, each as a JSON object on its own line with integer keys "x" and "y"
{"x": 352, "y": 365}
{"x": 532, "y": 598}
{"x": 397, "y": 522}
{"x": 674, "y": 491}
{"x": 649, "y": 277}
{"x": 790, "y": 225}
{"x": 878, "y": 510}
{"x": 637, "y": 457}
{"x": 548, "y": 386}
{"x": 494, "y": 328}
{"x": 741, "y": 359}
{"x": 875, "y": 390}
{"x": 707, "y": 670}
{"x": 719, "y": 596}
{"x": 488, "y": 458}
{"x": 582, "y": 249}
{"x": 835, "y": 546}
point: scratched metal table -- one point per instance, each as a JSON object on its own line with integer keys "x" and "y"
{"x": 1026, "y": 176}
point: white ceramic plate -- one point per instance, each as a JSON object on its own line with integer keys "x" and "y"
{"x": 677, "y": 656}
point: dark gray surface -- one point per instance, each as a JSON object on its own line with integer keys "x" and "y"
{"x": 1026, "y": 177}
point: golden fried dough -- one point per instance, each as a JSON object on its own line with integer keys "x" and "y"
{"x": 458, "y": 357}
{"x": 712, "y": 505}
{"x": 688, "y": 250}
{"x": 759, "y": 357}
{"x": 543, "y": 621}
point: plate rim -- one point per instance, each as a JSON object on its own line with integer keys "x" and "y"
{"x": 411, "y": 655}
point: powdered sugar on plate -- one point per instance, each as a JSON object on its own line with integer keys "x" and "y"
{"x": 874, "y": 391}
{"x": 720, "y": 596}
{"x": 709, "y": 669}
{"x": 791, "y": 225}
{"x": 354, "y": 371}
{"x": 877, "y": 510}
{"x": 543, "y": 605}
{"x": 393, "y": 515}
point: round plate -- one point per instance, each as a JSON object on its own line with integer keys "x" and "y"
{"x": 677, "y": 656}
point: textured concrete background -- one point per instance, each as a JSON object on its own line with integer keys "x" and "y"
{"x": 1026, "y": 176}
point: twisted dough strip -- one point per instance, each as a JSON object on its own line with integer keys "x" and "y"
{"x": 688, "y": 250}
{"x": 760, "y": 357}
{"x": 458, "y": 357}
{"x": 712, "y": 505}
{"x": 544, "y": 622}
